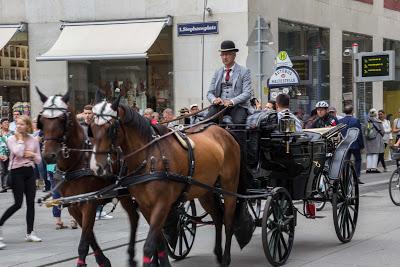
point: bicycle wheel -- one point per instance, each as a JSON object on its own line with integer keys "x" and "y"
{"x": 394, "y": 188}
{"x": 322, "y": 189}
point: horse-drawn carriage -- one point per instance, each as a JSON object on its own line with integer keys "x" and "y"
{"x": 291, "y": 165}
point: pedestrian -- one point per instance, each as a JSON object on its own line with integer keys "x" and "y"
{"x": 358, "y": 145}
{"x": 168, "y": 115}
{"x": 13, "y": 124}
{"x": 5, "y": 133}
{"x": 196, "y": 115}
{"x": 387, "y": 137}
{"x": 24, "y": 153}
{"x": 374, "y": 145}
{"x": 333, "y": 112}
{"x": 40, "y": 169}
{"x": 155, "y": 118}
{"x": 148, "y": 113}
{"x": 396, "y": 128}
{"x": 324, "y": 119}
{"x": 51, "y": 168}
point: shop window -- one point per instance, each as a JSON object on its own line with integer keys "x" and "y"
{"x": 14, "y": 75}
{"x": 391, "y": 89}
{"x": 143, "y": 83}
{"x": 364, "y": 90}
{"x": 308, "y": 47}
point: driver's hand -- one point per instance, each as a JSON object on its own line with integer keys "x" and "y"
{"x": 217, "y": 101}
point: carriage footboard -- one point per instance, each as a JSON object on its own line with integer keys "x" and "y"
{"x": 339, "y": 156}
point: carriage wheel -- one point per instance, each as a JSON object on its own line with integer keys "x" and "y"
{"x": 345, "y": 202}
{"x": 322, "y": 189}
{"x": 394, "y": 188}
{"x": 278, "y": 224}
{"x": 186, "y": 231}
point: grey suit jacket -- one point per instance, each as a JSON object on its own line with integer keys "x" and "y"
{"x": 241, "y": 83}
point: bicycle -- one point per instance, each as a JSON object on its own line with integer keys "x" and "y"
{"x": 394, "y": 182}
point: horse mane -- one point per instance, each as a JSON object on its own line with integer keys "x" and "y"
{"x": 137, "y": 121}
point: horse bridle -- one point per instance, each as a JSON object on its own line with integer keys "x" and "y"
{"x": 61, "y": 139}
{"x": 112, "y": 133}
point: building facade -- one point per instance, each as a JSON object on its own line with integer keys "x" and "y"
{"x": 175, "y": 71}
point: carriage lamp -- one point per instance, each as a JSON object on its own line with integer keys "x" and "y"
{"x": 287, "y": 126}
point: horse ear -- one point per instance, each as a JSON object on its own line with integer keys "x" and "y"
{"x": 42, "y": 96}
{"x": 65, "y": 97}
{"x": 98, "y": 97}
{"x": 115, "y": 104}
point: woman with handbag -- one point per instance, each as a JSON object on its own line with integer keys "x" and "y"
{"x": 374, "y": 144}
{"x": 24, "y": 153}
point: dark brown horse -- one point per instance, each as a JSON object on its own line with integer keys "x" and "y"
{"x": 217, "y": 159}
{"x": 62, "y": 132}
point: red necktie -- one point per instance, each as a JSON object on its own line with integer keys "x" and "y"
{"x": 227, "y": 77}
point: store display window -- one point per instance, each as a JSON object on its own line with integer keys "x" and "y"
{"x": 391, "y": 89}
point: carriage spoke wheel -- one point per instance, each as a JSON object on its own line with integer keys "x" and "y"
{"x": 186, "y": 231}
{"x": 278, "y": 224}
{"x": 345, "y": 202}
{"x": 394, "y": 188}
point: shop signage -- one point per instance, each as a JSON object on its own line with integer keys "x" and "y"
{"x": 376, "y": 66}
{"x": 198, "y": 28}
{"x": 283, "y": 77}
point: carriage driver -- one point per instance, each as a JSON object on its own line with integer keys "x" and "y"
{"x": 230, "y": 86}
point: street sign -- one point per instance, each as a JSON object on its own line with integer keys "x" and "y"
{"x": 283, "y": 77}
{"x": 283, "y": 60}
{"x": 197, "y": 28}
{"x": 376, "y": 66}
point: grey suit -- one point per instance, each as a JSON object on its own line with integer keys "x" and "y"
{"x": 241, "y": 83}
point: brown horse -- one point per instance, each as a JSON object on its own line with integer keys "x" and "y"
{"x": 61, "y": 129}
{"x": 217, "y": 159}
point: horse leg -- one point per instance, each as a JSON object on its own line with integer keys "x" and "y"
{"x": 131, "y": 207}
{"x": 162, "y": 253}
{"x": 157, "y": 217}
{"x": 211, "y": 204}
{"x": 229, "y": 213}
{"x": 88, "y": 213}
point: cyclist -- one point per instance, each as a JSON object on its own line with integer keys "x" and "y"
{"x": 324, "y": 119}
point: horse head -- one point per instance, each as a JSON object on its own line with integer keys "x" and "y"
{"x": 105, "y": 134}
{"x": 54, "y": 121}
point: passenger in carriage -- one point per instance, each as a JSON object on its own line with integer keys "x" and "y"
{"x": 282, "y": 107}
{"x": 324, "y": 118}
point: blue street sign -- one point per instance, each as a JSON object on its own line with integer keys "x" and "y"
{"x": 198, "y": 28}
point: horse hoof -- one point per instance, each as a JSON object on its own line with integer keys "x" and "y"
{"x": 80, "y": 263}
{"x": 218, "y": 254}
{"x": 132, "y": 263}
{"x": 106, "y": 263}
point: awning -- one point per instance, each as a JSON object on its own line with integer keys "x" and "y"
{"x": 7, "y": 32}
{"x": 105, "y": 40}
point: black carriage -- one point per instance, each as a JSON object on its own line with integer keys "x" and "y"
{"x": 291, "y": 166}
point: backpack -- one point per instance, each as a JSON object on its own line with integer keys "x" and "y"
{"x": 370, "y": 131}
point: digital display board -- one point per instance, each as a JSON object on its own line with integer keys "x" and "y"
{"x": 375, "y": 66}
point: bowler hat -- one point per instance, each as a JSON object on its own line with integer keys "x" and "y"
{"x": 228, "y": 45}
